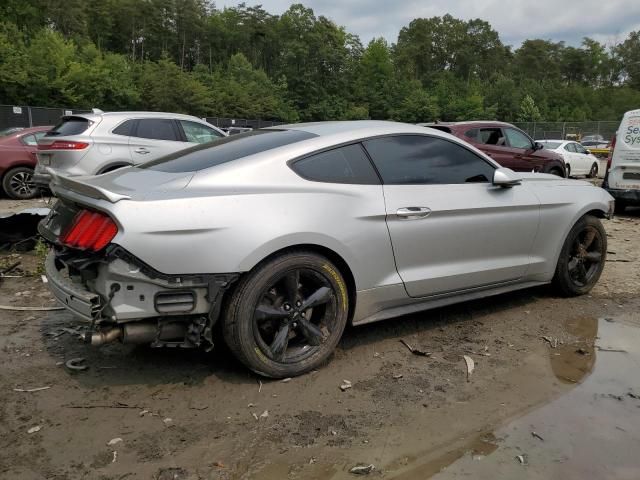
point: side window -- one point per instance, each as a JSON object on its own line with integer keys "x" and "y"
{"x": 124, "y": 128}
{"x": 473, "y": 134}
{"x": 414, "y": 159}
{"x": 30, "y": 140}
{"x": 347, "y": 164}
{"x": 198, "y": 133}
{"x": 570, "y": 147}
{"x": 491, "y": 136}
{"x": 39, "y": 135}
{"x": 579, "y": 148}
{"x": 156, "y": 129}
{"x": 518, "y": 139}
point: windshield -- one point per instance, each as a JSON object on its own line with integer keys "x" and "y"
{"x": 226, "y": 150}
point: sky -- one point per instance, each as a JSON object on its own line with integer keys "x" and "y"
{"x": 608, "y": 21}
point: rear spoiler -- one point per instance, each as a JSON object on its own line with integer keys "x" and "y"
{"x": 83, "y": 188}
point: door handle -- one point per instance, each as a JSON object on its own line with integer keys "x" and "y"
{"x": 413, "y": 212}
{"x": 141, "y": 151}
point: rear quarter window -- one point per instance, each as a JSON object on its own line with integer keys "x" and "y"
{"x": 70, "y": 126}
{"x": 226, "y": 150}
{"x": 348, "y": 164}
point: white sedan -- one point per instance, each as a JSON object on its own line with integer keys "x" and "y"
{"x": 578, "y": 160}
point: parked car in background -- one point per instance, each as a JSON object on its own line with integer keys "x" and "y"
{"x": 594, "y": 143}
{"x": 578, "y": 160}
{"x": 286, "y": 234}
{"x": 18, "y": 160}
{"x": 9, "y": 130}
{"x": 506, "y": 144}
{"x": 622, "y": 180}
{"x": 99, "y": 142}
{"x": 237, "y": 130}
{"x": 593, "y": 138}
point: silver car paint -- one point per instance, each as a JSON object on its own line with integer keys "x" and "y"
{"x": 106, "y": 149}
{"x": 479, "y": 238}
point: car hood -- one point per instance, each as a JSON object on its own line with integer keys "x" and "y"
{"x": 121, "y": 184}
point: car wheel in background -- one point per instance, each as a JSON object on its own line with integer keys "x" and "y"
{"x": 18, "y": 183}
{"x": 593, "y": 173}
{"x": 557, "y": 171}
{"x": 582, "y": 257}
{"x": 568, "y": 169}
{"x": 286, "y": 317}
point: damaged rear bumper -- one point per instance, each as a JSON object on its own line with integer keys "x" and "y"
{"x": 77, "y": 299}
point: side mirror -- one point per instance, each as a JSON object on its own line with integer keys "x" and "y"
{"x": 505, "y": 177}
{"x": 588, "y": 151}
{"x": 537, "y": 146}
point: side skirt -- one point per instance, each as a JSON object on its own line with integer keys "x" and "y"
{"x": 441, "y": 301}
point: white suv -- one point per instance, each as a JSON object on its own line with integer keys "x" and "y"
{"x": 623, "y": 172}
{"x": 95, "y": 143}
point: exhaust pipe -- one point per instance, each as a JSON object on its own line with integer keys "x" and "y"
{"x": 138, "y": 333}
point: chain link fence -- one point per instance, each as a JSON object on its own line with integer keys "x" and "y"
{"x": 24, "y": 116}
{"x": 569, "y": 130}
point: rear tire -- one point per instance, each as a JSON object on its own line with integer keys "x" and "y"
{"x": 18, "y": 183}
{"x": 557, "y": 172}
{"x": 268, "y": 324}
{"x": 582, "y": 258}
{"x": 568, "y": 169}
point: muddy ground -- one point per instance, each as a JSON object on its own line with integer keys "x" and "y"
{"x": 197, "y": 415}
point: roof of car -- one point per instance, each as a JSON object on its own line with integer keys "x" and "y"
{"x": 466, "y": 123}
{"x": 134, "y": 114}
{"x": 353, "y": 126}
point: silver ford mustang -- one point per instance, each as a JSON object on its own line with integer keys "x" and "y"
{"x": 284, "y": 235}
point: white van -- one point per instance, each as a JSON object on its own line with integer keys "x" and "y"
{"x": 623, "y": 173}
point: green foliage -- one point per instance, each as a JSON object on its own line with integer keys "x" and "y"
{"x": 243, "y": 62}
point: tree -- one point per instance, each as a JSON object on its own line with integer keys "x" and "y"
{"x": 528, "y": 110}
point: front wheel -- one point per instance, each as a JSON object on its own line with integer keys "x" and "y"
{"x": 18, "y": 183}
{"x": 286, "y": 317}
{"x": 593, "y": 173}
{"x": 557, "y": 172}
{"x": 582, "y": 257}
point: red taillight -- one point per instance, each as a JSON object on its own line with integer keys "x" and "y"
{"x": 89, "y": 231}
{"x": 64, "y": 145}
{"x": 610, "y": 156}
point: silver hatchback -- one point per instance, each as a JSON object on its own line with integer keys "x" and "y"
{"x": 91, "y": 144}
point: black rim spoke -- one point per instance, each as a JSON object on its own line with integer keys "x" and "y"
{"x": 582, "y": 273}
{"x": 319, "y": 297}
{"x": 588, "y": 239}
{"x": 280, "y": 342}
{"x": 593, "y": 257}
{"x": 310, "y": 331}
{"x": 292, "y": 286}
{"x": 573, "y": 263}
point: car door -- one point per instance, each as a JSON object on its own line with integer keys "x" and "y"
{"x": 152, "y": 138}
{"x": 450, "y": 228}
{"x": 523, "y": 150}
{"x": 572, "y": 159}
{"x": 585, "y": 159}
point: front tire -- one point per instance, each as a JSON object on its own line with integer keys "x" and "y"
{"x": 593, "y": 173}
{"x": 286, "y": 317}
{"x": 557, "y": 172}
{"x": 18, "y": 183}
{"x": 582, "y": 257}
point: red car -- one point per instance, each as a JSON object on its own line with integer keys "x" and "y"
{"x": 506, "y": 144}
{"x": 17, "y": 161}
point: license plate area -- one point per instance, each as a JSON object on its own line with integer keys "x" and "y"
{"x": 631, "y": 176}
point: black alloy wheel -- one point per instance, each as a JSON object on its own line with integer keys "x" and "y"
{"x": 582, "y": 258}
{"x": 286, "y": 316}
{"x": 593, "y": 173}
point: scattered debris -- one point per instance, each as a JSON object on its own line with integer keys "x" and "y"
{"x": 29, "y": 390}
{"x": 286, "y": 380}
{"x": 415, "y": 351}
{"x": 553, "y": 342}
{"x": 218, "y": 464}
{"x": 143, "y": 413}
{"x": 616, "y": 397}
{"x": 334, "y": 433}
{"x": 523, "y": 459}
{"x": 536, "y": 435}
{"x": 35, "y": 429}
{"x": 115, "y": 457}
{"x": 633, "y": 395}
{"x": 346, "y": 384}
{"x": 312, "y": 460}
{"x": 114, "y": 441}
{"x": 471, "y": 365}
{"x": 582, "y": 351}
{"x": 259, "y": 386}
{"x": 397, "y": 376}
{"x": 76, "y": 364}
{"x": 254, "y": 416}
{"x": 168, "y": 422}
{"x": 251, "y": 405}
{"x": 44, "y": 279}
{"x": 361, "y": 469}
{"x": 264, "y": 414}
{"x": 600, "y": 349}
{"x": 115, "y": 405}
